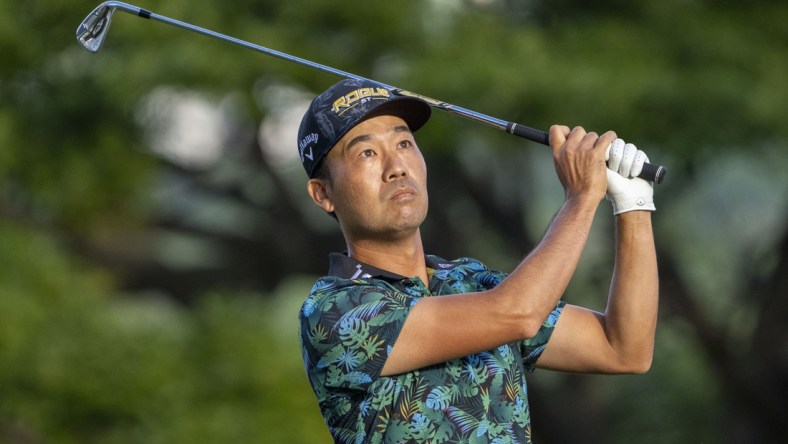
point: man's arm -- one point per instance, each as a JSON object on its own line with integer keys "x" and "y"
{"x": 447, "y": 327}
{"x": 622, "y": 339}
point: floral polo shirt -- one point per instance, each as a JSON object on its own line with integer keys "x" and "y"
{"x": 349, "y": 323}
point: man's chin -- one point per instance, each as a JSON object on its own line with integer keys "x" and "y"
{"x": 405, "y": 225}
{"x": 412, "y": 216}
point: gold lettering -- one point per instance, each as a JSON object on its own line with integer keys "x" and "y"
{"x": 349, "y": 100}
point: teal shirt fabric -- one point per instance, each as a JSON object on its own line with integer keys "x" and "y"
{"x": 349, "y": 323}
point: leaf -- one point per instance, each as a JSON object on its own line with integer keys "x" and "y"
{"x": 439, "y": 398}
{"x": 419, "y": 427}
{"x": 477, "y": 369}
{"x": 372, "y": 346}
{"x": 493, "y": 365}
{"x": 317, "y": 334}
{"x": 358, "y": 378}
{"x": 464, "y": 420}
{"x": 364, "y": 311}
{"x": 353, "y": 332}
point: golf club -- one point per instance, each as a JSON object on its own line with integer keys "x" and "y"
{"x": 93, "y": 30}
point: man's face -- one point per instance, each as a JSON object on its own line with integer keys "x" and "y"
{"x": 378, "y": 185}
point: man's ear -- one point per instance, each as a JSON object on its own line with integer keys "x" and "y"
{"x": 318, "y": 191}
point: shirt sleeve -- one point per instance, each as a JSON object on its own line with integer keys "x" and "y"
{"x": 348, "y": 333}
{"x": 532, "y": 348}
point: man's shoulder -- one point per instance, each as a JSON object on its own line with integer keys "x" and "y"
{"x": 466, "y": 266}
{"x": 332, "y": 292}
{"x": 439, "y": 263}
{"x": 332, "y": 284}
{"x": 461, "y": 275}
{"x": 331, "y": 287}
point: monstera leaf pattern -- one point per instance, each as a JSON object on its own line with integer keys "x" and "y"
{"x": 348, "y": 327}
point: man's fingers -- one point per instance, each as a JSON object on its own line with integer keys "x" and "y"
{"x": 605, "y": 140}
{"x": 558, "y": 135}
{"x": 589, "y": 140}
{"x": 625, "y": 159}
{"x": 576, "y": 137}
{"x": 637, "y": 164}
{"x": 625, "y": 166}
{"x": 615, "y": 153}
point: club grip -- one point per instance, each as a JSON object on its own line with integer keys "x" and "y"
{"x": 650, "y": 172}
{"x": 528, "y": 133}
{"x": 653, "y": 173}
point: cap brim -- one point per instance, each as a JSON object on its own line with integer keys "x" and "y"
{"x": 414, "y": 112}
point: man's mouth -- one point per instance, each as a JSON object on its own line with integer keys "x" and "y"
{"x": 403, "y": 192}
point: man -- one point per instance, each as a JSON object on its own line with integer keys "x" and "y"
{"x": 400, "y": 346}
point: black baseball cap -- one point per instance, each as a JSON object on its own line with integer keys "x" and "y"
{"x": 346, "y": 104}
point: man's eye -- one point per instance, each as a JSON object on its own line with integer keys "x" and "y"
{"x": 405, "y": 144}
{"x": 367, "y": 153}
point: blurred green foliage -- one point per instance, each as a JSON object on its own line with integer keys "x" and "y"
{"x": 78, "y": 365}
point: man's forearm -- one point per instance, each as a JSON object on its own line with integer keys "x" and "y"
{"x": 631, "y": 315}
{"x": 537, "y": 284}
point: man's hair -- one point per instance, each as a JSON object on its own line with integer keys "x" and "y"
{"x": 322, "y": 172}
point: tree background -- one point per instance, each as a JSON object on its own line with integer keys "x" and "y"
{"x": 156, "y": 240}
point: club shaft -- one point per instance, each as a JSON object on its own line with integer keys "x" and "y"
{"x": 473, "y": 115}
{"x": 650, "y": 172}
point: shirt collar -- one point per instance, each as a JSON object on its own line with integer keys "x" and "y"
{"x": 343, "y": 266}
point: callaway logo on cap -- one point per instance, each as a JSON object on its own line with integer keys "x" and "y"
{"x": 346, "y": 104}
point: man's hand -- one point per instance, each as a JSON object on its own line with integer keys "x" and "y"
{"x": 579, "y": 159}
{"x": 624, "y": 190}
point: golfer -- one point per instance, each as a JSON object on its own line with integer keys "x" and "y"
{"x": 402, "y": 346}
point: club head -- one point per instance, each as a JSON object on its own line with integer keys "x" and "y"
{"x": 92, "y": 31}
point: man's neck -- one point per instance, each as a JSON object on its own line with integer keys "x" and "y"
{"x": 404, "y": 257}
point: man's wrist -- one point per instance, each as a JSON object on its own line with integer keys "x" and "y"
{"x": 580, "y": 203}
{"x": 635, "y": 216}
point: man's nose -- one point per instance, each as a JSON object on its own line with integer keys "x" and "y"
{"x": 395, "y": 168}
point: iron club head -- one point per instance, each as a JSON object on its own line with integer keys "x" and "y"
{"x": 92, "y": 31}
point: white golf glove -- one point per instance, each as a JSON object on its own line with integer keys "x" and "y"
{"x": 625, "y": 190}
